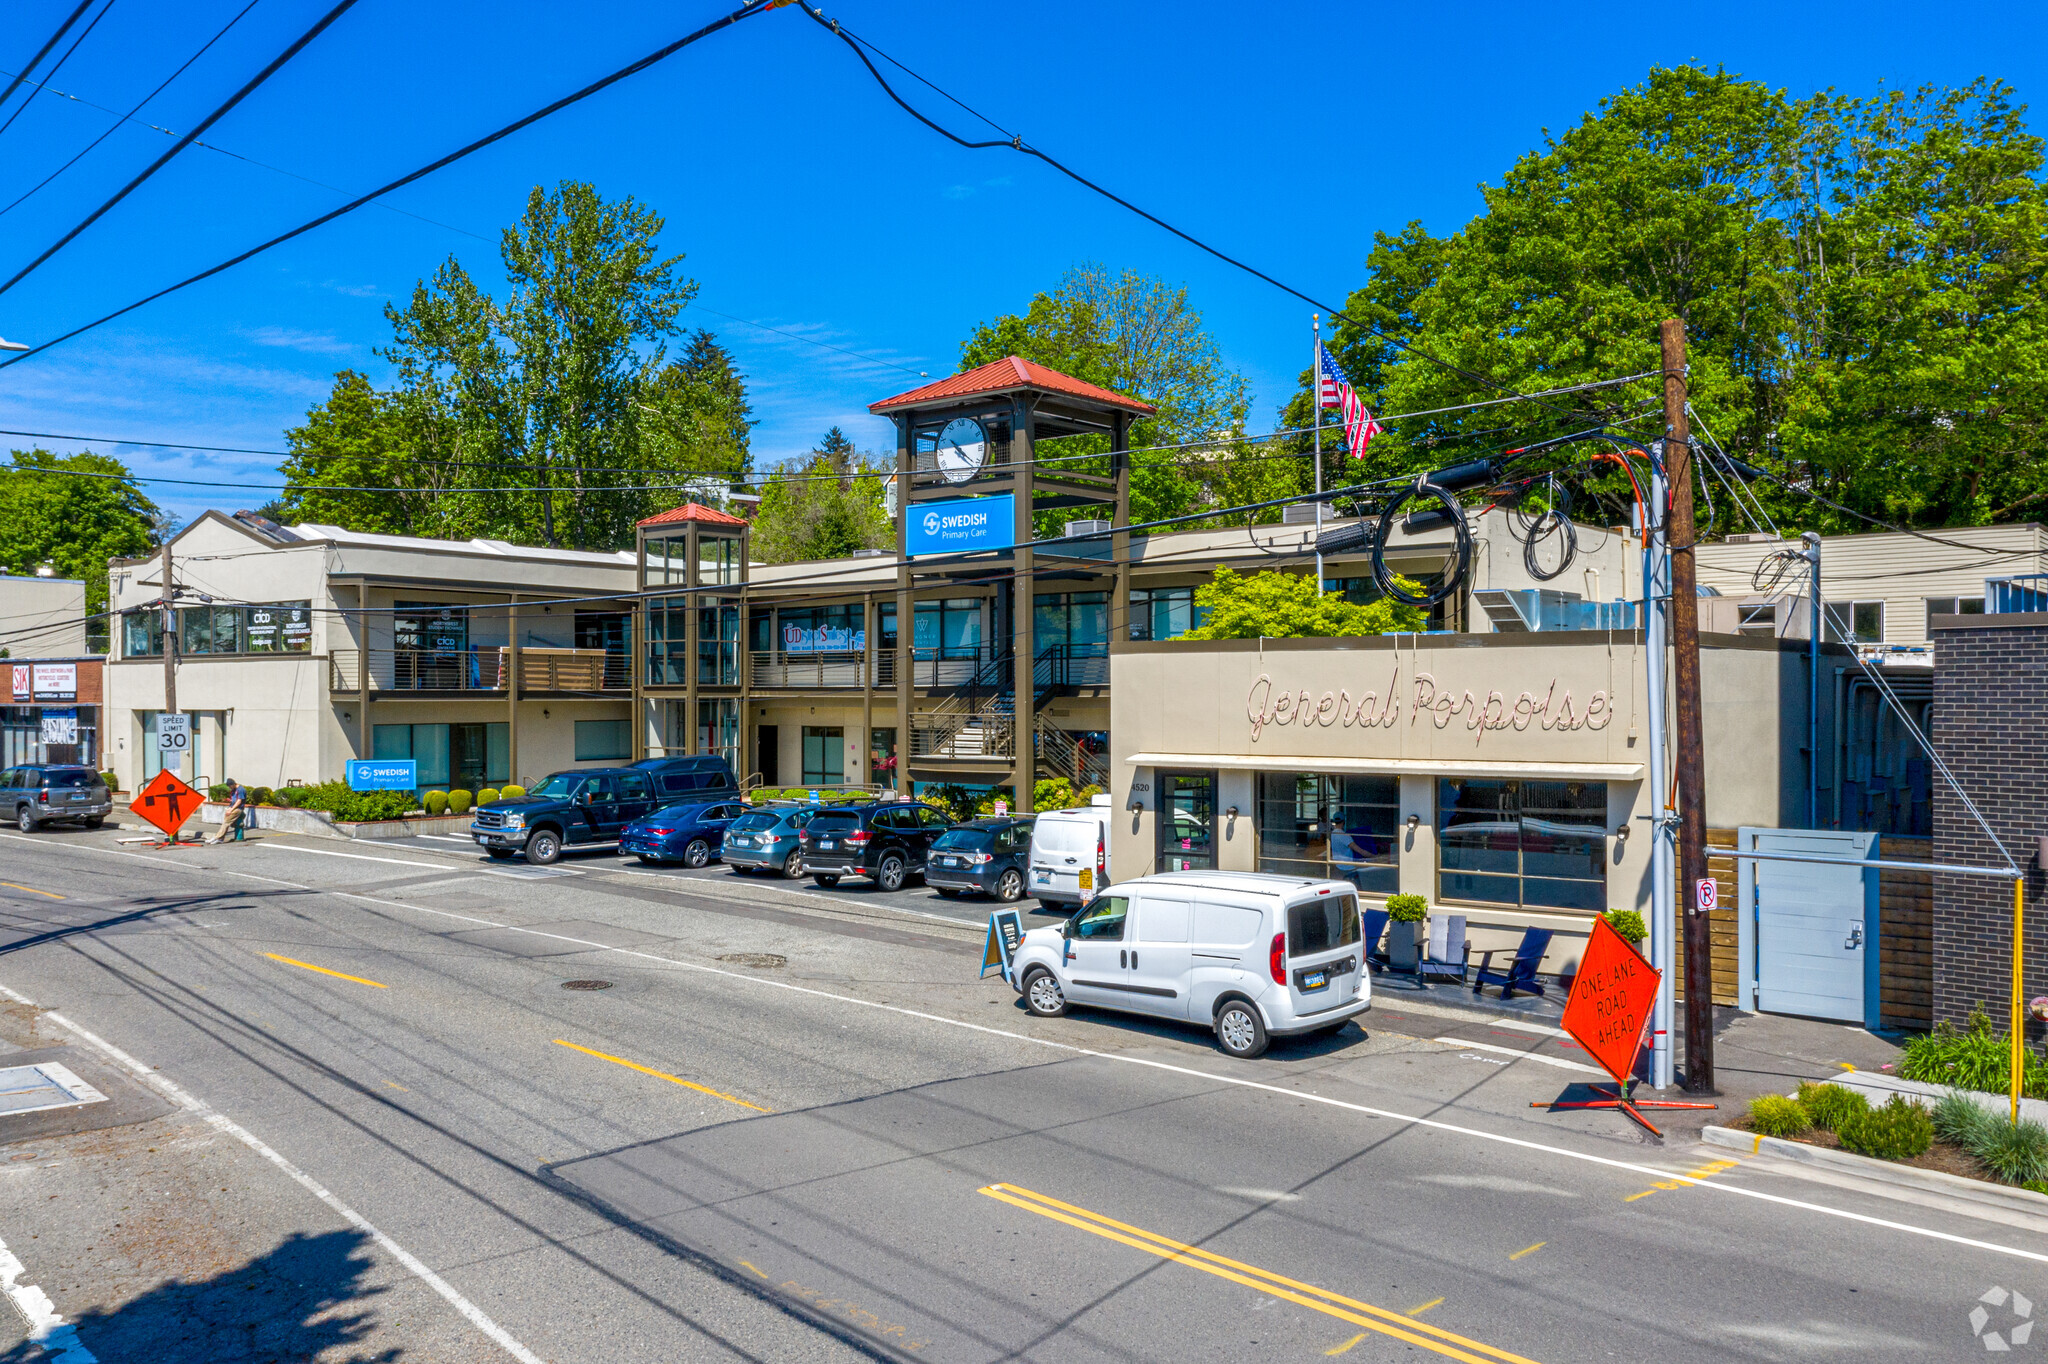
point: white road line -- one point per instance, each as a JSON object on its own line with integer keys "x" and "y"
{"x": 447, "y": 838}
{"x": 1518, "y": 1054}
{"x": 222, "y": 1123}
{"x": 46, "y": 1326}
{"x": 1299, "y": 1095}
{"x": 684, "y": 883}
{"x": 359, "y": 857}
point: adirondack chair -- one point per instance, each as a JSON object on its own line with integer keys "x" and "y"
{"x": 1375, "y": 929}
{"x": 1448, "y": 950}
{"x": 1520, "y": 973}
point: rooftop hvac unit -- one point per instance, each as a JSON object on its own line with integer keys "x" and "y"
{"x": 1075, "y": 529}
{"x": 1301, "y": 514}
{"x": 1519, "y": 611}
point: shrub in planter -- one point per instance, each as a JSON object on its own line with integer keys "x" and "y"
{"x": 112, "y": 779}
{"x": 1408, "y": 932}
{"x": 511, "y": 792}
{"x": 262, "y": 795}
{"x": 437, "y": 802}
{"x": 1961, "y": 1122}
{"x": 1629, "y": 924}
{"x": 1898, "y": 1131}
{"x": 458, "y": 802}
{"x": 2014, "y": 1152}
{"x": 1978, "y": 1058}
{"x": 1774, "y": 1115}
{"x": 1831, "y": 1105}
{"x": 487, "y": 795}
{"x": 217, "y": 791}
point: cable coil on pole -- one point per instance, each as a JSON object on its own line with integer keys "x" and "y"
{"x": 1449, "y": 510}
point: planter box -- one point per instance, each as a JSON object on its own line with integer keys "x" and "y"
{"x": 320, "y": 824}
{"x": 1884, "y": 1171}
{"x": 1406, "y": 943}
{"x": 1877, "y": 1086}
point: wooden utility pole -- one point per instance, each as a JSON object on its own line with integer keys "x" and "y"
{"x": 1685, "y": 675}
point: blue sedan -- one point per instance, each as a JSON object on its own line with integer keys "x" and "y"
{"x": 691, "y": 833}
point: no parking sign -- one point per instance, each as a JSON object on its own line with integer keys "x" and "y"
{"x": 1705, "y": 895}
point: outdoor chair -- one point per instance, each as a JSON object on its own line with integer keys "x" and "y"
{"x": 1448, "y": 950}
{"x": 1375, "y": 929}
{"x": 1520, "y": 973}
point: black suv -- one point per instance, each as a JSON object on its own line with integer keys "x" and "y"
{"x": 887, "y": 842}
{"x": 590, "y": 807}
{"x": 48, "y": 792}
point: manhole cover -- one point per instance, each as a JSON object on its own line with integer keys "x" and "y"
{"x": 758, "y": 960}
{"x": 586, "y": 985}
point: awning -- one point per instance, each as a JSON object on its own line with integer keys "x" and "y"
{"x": 1397, "y": 767}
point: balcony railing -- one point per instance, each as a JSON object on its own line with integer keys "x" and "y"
{"x": 954, "y": 667}
{"x": 477, "y": 670}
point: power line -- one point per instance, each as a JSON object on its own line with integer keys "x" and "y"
{"x": 87, "y": 33}
{"x": 751, "y": 8}
{"x": 128, "y": 117}
{"x": 44, "y": 50}
{"x": 248, "y": 88}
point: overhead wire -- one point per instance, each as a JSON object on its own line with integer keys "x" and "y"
{"x": 22, "y": 108}
{"x": 220, "y": 111}
{"x": 44, "y": 50}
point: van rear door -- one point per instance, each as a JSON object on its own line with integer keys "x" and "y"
{"x": 1325, "y": 959}
{"x": 1063, "y": 856}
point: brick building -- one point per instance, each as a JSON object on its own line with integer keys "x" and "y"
{"x": 1990, "y": 680}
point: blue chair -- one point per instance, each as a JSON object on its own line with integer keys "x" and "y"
{"x": 1375, "y": 929}
{"x": 1521, "y": 973}
{"x": 1448, "y": 950}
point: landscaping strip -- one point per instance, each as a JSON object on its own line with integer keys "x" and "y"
{"x": 1884, "y": 1171}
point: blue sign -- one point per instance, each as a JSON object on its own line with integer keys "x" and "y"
{"x": 383, "y": 774}
{"x": 962, "y": 525}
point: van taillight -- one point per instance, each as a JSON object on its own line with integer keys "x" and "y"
{"x": 1101, "y": 858}
{"x": 1277, "y": 962}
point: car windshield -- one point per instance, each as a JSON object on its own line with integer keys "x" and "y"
{"x": 755, "y": 822}
{"x": 61, "y": 779}
{"x": 973, "y": 840}
{"x": 560, "y": 786}
{"x": 833, "y": 821}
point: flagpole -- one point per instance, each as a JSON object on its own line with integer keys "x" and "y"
{"x": 1315, "y": 395}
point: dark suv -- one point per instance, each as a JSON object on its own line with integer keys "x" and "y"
{"x": 887, "y": 842}
{"x": 591, "y": 807}
{"x": 48, "y": 792}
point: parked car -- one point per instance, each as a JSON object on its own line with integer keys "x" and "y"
{"x": 48, "y": 792}
{"x": 887, "y": 841}
{"x": 702, "y": 777}
{"x": 586, "y": 808}
{"x": 691, "y": 832}
{"x": 1070, "y": 854}
{"x": 1250, "y": 956}
{"x": 985, "y": 856}
{"x": 767, "y": 840}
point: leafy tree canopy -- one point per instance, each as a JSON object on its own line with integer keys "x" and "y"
{"x": 828, "y": 506}
{"x": 561, "y": 391}
{"x": 75, "y": 523}
{"x": 1276, "y": 605}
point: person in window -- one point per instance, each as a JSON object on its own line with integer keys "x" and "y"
{"x": 237, "y": 811}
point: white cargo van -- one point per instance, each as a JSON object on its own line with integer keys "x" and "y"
{"x": 1070, "y": 854}
{"x": 1247, "y": 955}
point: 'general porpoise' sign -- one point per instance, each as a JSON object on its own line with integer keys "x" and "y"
{"x": 962, "y": 525}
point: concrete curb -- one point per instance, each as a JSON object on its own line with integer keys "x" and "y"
{"x": 1882, "y": 1171}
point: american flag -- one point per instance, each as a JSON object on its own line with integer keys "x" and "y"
{"x": 1335, "y": 391}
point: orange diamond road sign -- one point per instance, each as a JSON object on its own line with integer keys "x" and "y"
{"x": 167, "y": 802}
{"x": 1611, "y": 1000}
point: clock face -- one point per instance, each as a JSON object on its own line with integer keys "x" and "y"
{"x": 963, "y": 449}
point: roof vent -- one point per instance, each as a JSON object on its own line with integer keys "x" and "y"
{"x": 1075, "y": 529}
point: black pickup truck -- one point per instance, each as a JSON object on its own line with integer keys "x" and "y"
{"x": 590, "y": 806}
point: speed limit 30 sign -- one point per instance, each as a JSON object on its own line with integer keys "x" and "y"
{"x": 173, "y": 733}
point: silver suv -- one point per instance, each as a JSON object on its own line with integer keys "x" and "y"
{"x": 49, "y": 792}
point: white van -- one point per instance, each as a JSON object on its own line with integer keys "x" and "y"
{"x": 1070, "y": 854}
{"x": 1248, "y": 955}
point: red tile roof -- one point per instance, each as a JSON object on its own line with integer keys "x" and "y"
{"x": 694, "y": 511}
{"x": 999, "y": 375}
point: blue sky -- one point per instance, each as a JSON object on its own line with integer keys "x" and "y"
{"x": 801, "y": 198}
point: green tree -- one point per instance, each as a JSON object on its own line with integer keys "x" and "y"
{"x": 1273, "y": 604}
{"x": 827, "y": 507}
{"x": 75, "y": 523}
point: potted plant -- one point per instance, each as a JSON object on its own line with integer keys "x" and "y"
{"x": 1407, "y": 930}
{"x": 1629, "y": 924}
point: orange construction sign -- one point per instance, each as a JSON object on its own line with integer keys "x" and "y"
{"x": 167, "y": 802}
{"x": 1611, "y": 1000}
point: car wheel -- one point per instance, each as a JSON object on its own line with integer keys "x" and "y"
{"x": 544, "y": 847}
{"x": 697, "y": 853}
{"x": 793, "y": 865}
{"x": 500, "y": 854}
{"x": 1010, "y": 886}
{"x": 826, "y": 881}
{"x": 1240, "y": 1031}
{"x": 95, "y": 821}
{"x": 24, "y": 819}
{"x": 1042, "y": 994}
{"x": 889, "y": 873}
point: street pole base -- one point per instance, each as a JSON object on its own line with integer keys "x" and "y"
{"x": 1623, "y": 1100}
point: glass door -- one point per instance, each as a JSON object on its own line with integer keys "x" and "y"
{"x": 1187, "y": 821}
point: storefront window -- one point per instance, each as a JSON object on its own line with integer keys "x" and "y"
{"x": 1071, "y": 618}
{"x": 1343, "y": 828}
{"x": 1187, "y": 821}
{"x": 1533, "y": 844}
{"x": 814, "y": 630}
{"x": 949, "y": 628}
{"x": 882, "y": 756}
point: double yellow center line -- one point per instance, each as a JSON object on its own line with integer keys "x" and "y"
{"x": 1380, "y": 1319}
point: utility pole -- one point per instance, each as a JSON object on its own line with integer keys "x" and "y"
{"x": 1663, "y": 874}
{"x": 170, "y": 639}
{"x": 1685, "y": 672}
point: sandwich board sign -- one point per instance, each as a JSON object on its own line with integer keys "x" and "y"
{"x": 167, "y": 802}
{"x": 1005, "y": 931}
{"x": 1608, "y": 1014}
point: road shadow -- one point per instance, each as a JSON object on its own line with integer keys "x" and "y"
{"x": 300, "y": 1301}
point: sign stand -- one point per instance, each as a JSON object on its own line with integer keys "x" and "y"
{"x": 1607, "y": 1014}
{"x": 167, "y": 802}
{"x": 1005, "y": 931}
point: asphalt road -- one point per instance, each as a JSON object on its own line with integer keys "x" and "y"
{"x": 354, "y": 1113}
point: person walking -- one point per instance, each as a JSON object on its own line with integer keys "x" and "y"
{"x": 237, "y": 811}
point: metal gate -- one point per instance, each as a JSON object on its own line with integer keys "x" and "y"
{"x": 1807, "y": 933}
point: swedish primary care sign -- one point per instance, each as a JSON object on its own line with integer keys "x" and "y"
{"x": 383, "y": 774}
{"x": 962, "y": 525}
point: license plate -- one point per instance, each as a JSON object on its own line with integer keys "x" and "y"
{"x": 1315, "y": 980}
{"x": 1087, "y": 880}
{"x": 78, "y": 798}
{"x": 1045, "y": 876}
{"x": 824, "y": 843}
{"x": 944, "y": 862}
